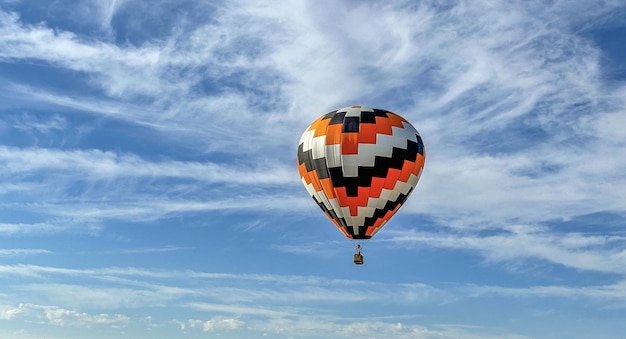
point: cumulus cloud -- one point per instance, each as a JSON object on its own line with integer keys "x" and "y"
{"x": 62, "y": 317}
{"x": 214, "y": 324}
{"x": 7, "y": 313}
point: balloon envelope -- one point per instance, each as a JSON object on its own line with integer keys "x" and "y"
{"x": 360, "y": 164}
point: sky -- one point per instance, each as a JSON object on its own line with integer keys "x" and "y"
{"x": 149, "y": 185}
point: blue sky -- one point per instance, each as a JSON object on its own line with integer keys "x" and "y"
{"x": 149, "y": 188}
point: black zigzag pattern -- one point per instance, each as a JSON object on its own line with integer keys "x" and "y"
{"x": 379, "y": 170}
{"x": 369, "y": 221}
{"x": 400, "y": 154}
{"x": 381, "y": 164}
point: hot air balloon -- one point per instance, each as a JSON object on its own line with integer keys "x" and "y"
{"x": 360, "y": 164}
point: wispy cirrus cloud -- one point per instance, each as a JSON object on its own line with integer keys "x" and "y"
{"x": 117, "y": 186}
{"x": 267, "y": 303}
{"x": 519, "y": 113}
{"x": 251, "y": 302}
{"x": 10, "y": 252}
{"x": 613, "y": 295}
{"x": 99, "y": 165}
{"x": 146, "y": 250}
{"x": 28, "y": 122}
{"x": 52, "y": 226}
{"x": 138, "y": 287}
{"x": 534, "y": 76}
{"x": 580, "y": 251}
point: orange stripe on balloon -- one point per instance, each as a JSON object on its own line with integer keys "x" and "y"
{"x": 327, "y": 185}
{"x": 342, "y": 196}
{"x": 333, "y": 134}
{"x": 396, "y": 120}
{"x": 353, "y": 204}
{"x": 392, "y": 178}
{"x": 383, "y": 126}
{"x": 320, "y": 127}
{"x": 407, "y": 168}
{"x": 419, "y": 164}
{"x": 345, "y": 201}
{"x": 395, "y": 210}
{"x": 303, "y": 173}
{"x": 377, "y": 187}
{"x": 367, "y": 133}
{"x": 363, "y": 196}
{"x": 349, "y": 143}
{"x": 315, "y": 181}
{"x": 378, "y": 223}
{"x": 390, "y": 214}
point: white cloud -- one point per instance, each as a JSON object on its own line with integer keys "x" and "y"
{"x": 216, "y": 324}
{"x": 346, "y": 327}
{"x": 280, "y": 304}
{"x": 236, "y": 293}
{"x": 238, "y": 310}
{"x": 230, "y": 293}
{"x": 146, "y": 250}
{"x": 62, "y": 317}
{"x": 120, "y": 187}
{"x": 108, "y": 165}
{"x": 601, "y": 253}
{"x": 608, "y": 127}
{"x": 9, "y": 252}
{"x": 613, "y": 295}
{"x": 51, "y": 227}
{"x": 105, "y": 298}
{"x": 29, "y": 122}
{"x": 106, "y": 61}
{"x": 8, "y": 313}
{"x": 147, "y": 210}
{"x": 519, "y": 125}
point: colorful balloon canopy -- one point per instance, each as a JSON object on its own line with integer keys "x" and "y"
{"x": 360, "y": 164}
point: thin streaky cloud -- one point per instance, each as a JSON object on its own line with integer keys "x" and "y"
{"x": 156, "y": 140}
{"x": 10, "y": 252}
{"x": 601, "y": 253}
{"x": 109, "y": 165}
{"x": 147, "y": 250}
